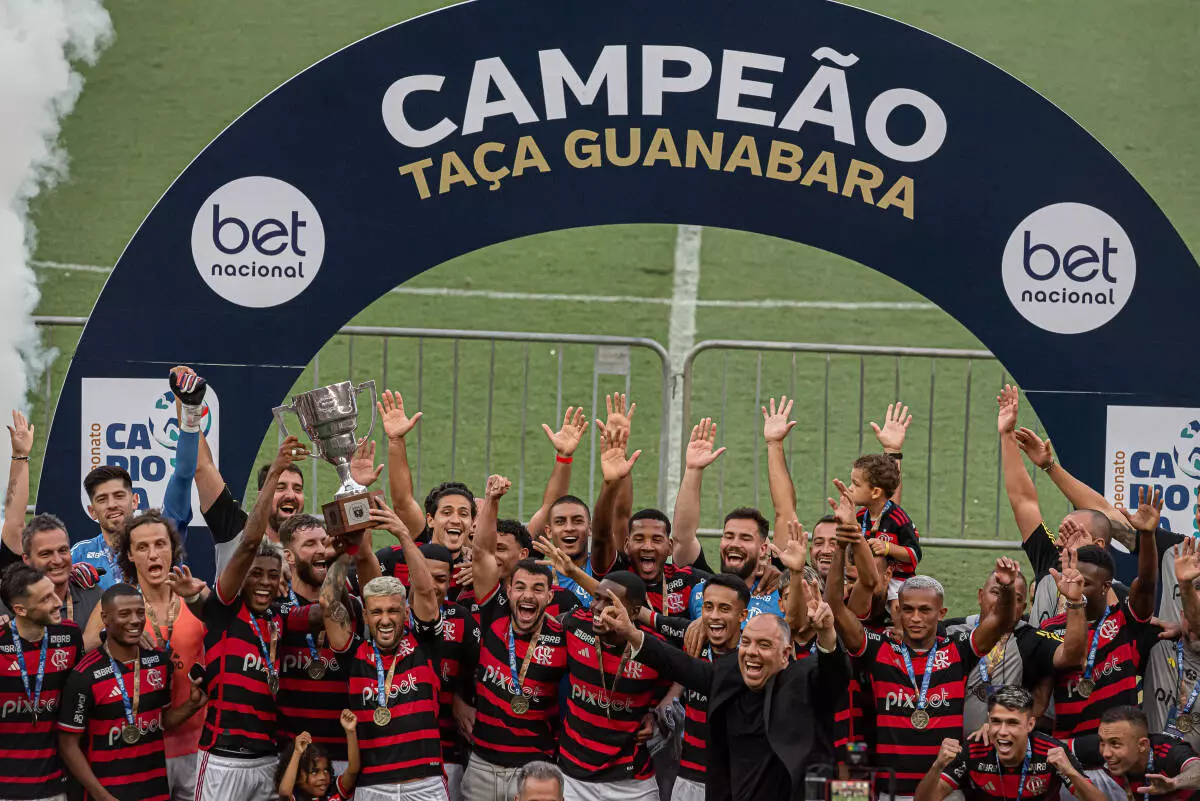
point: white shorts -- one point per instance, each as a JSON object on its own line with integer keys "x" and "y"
{"x": 1105, "y": 783}
{"x": 221, "y": 778}
{"x": 181, "y": 776}
{"x": 624, "y": 790}
{"x": 431, "y": 789}
{"x": 483, "y": 781}
{"x": 454, "y": 777}
{"x": 59, "y": 797}
{"x": 687, "y": 790}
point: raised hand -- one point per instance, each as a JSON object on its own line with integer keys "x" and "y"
{"x": 290, "y": 451}
{"x": 1069, "y": 580}
{"x": 396, "y": 424}
{"x": 843, "y": 508}
{"x": 1035, "y": 448}
{"x": 497, "y": 487}
{"x": 348, "y": 721}
{"x": 620, "y": 415}
{"x": 464, "y": 574}
{"x": 613, "y": 463}
{"x": 1009, "y": 401}
{"x": 303, "y": 741}
{"x": 695, "y": 638}
{"x": 1072, "y": 534}
{"x": 187, "y": 387}
{"x": 617, "y": 617}
{"x": 820, "y": 615}
{"x": 1058, "y": 759}
{"x": 895, "y": 427}
{"x": 776, "y": 425}
{"x": 85, "y": 575}
{"x": 700, "y": 453}
{"x": 556, "y": 558}
{"x": 1158, "y": 784}
{"x": 385, "y": 519}
{"x": 793, "y": 556}
{"x": 948, "y": 752}
{"x": 1149, "y": 510}
{"x": 196, "y": 695}
{"x": 567, "y": 438}
{"x": 1187, "y": 560}
{"x": 362, "y": 466}
{"x": 183, "y": 583}
{"x": 1007, "y": 570}
{"x": 20, "y": 434}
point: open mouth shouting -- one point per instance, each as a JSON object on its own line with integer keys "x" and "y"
{"x": 526, "y": 613}
{"x": 385, "y": 633}
{"x": 753, "y": 669}
{"x": 1005, "y": 745}
{"x": 156, "y": 572}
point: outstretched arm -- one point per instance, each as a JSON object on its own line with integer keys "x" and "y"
{"x": 397, "y": 424}
{"x": 700, "y": 454}
{"x": 794, "y": 555}
{"x": 933, "y": 787}
{"x": 422, "y": 593}
{"x": 1187, "y": 570}
{"x": 993, "y": 627}
{"x": 776, "y": 427}
{"x": 847, "y": 623}
{"x": 348, "y": 780}
{"x": 1070, "y": 652}
{"x": 1022, "y": 495}
{"x": 485, "y": 566}
{"x": 565, "y": 441}
{"x": 287, "y": 782}
{"x": 16, "y": 499}
{"x": 891, "y": 437}
{"x": 1144, "y": 590}
{"x": 695, "y": 674}
{"x": 607, "y": 540}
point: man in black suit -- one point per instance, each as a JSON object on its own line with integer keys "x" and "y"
{"x": 770, "y": 719}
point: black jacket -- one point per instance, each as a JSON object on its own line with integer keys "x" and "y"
{"x": 800, "y": 704}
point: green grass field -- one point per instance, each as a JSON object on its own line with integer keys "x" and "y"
{"x": 174, "y": 78}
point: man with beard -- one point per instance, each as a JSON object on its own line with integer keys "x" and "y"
{"x": 111, "y": 500}
{"x": 147, "y": 549}
{"x": 1014, "y": 762}
{"x": 115, "y": 708}
{"x": 37, "y": 653}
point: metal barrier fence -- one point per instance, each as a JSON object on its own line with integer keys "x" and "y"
{"x": 464, "y": 380}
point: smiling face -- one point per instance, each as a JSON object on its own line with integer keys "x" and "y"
{"x": 1124, "y": 747}
{"x": 42, "y": 605}
{"x": 762, "y": 651}
{"x": 742, "y": 545}
{"x": 528, "y": 596}
{"x": 261, "y": 584}
{"x": 308, "y": 553}
{"x": 648, "y": 547}
{"x": 508, "y": 552}
{"x": 451, "y": 522}
{"x": 441, "y": 577}
{"x": 288, "y": 498}
{"x": 125, "y": 619}
{"x": 601, "y": 601}
{"x": 1097, "y": 581}
{"x": 722, "y": 613}
{"x": 919, "y": 612}
{"x": 386, "y": 615}
{"x": 824, "y": 545}
{"x": 861, "y": 492}
{"x": 150, "y": 552}
{"x": 112, "y": 502}
{"x": 569, "y": 528}
{"x": 50, "y": 552}
{"x": 316, "y": 779}
{"x": 1009, "y": 730}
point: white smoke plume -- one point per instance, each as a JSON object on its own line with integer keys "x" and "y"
{"x": 39, "y": 42}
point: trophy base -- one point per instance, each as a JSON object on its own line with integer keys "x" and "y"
{"x": 349, "y": 513}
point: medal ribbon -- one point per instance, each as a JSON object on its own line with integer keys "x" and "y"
{"x": 866, "y": 526}
{"x": 269, "y": 655}
{"x": 312, "y": 646}
{"x": 519, "y": 679}
{"x": 608, "y": 691}
{"x": 912, "y": 674}
{"x": 983, "y": 668}
{"x": 131, "y": 709}
{"x": 382, "y": 690}
{"x": 35, "y": 696}
{"x": 1191, "y": 701}
{"x": 70, "y": 604}
{"x": 1091, "y": 657}
{"x": 173, "y": 607}
{"x": 1024, "y": 768}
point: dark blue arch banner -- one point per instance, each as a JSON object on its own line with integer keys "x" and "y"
{"x": 806, "y": 120}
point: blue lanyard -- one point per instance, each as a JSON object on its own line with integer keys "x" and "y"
{"x": 1191, "y": 701}
{"x": 866, "y": 527}
{"x": 382, "y": 689}
{"x": 912, "y": 675}
{"x": 1149, "y": 770}
{"x": 312, "y": 646}
{"x": 1091, "y": 658}
{"x": 1024, "y": 768}
{"x": 119, "y": 677}
{"x": 36, "y": 696}
{"x": 262, "y": 645}
{"x": 512, "y": 660}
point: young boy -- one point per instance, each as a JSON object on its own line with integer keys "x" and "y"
{"x": 890, "y": 532}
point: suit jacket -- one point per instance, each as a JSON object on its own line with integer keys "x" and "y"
{"x": 799, "y": 708}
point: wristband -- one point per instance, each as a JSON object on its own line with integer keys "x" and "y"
{"x": 1049, "y": 467}
{"x": 563, "y": 459}
{"x": 887, "y": 548}
{"x": 20, "y": 458}
{"x": 1076, "y": 604}
{"x": 897, "y": 456}
{"x": 191, "y": 599}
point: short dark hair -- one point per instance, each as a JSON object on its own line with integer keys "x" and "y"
{"x": 105, "y": 472}
{"x": 518, "y": 531}
{"x": 16, "y": 581}
{"x": 118, "y": 590}
{"x": 1132, "y": 714}
{"x": 36, "y": 525}
{"x": 750, "y": 513}
{"x": 650, "y": 514}
{"x": 1095, "y": 555}
{"x": 542, "y": 771}
{"x": 531, "y": 566}
{"x": 1011, "y": 696}
{"x": 732, "y": 582}
{"x": 124, "y": 541}
{"x": 265, "y": 471}
{"x": 437, "y": 552}
{"x": 635, "y": 588}
{"x": 824, "y": 520}
{"x": 879, "y": 470}
{"x": 298, "y": 522}
{"x": 308, "y": 759}
{"x": 434, "y": 498}
{"x": 570, "y": 499}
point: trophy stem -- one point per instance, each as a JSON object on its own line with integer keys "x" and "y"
{"x": 349, "y": 485}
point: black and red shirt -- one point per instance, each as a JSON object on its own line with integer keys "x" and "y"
{"x": 1121, "y": 655}
{"x": 92, "y": 706}
{"x": 29, "y": 764}
{"x": 502, "y": 737}
{"x": 896, "y": 527}
{"x": 977, "y": 772}
{"x": 604, "y": 710}
{"x": 891, "y": 692}
{"x": 391, "y": 562}
{"x": 241, "y": 717}
{"x": 562, "y": 600}
{"x": 458, "y": 653}
{"x": 678, "y": 581}
{"x": 408, "y": 746}
{"x": 1171, "y": 756}
{"x": 305, "y": 703}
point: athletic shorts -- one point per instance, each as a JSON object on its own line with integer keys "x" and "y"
{"x": 222, "y": 778}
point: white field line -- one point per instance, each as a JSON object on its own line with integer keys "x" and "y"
{"x": 681, "y": 337}
{"x": 556, "y": 297}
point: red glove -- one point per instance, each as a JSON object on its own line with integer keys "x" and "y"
{"x": 85, "y": 576}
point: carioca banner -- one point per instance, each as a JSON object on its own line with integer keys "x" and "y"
{"x": 495, "y": 119}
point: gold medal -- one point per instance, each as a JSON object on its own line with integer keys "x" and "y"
{"x": 1185, "y": 723}
{"x": 316, "y": 670}
{"x": 273, "y": 683}
{"x": 519, "y": 704}
{"x": 919, "y": 719}
{"x": 383, "y": 716}
{"x": 130, "y": 734}
{"x": 1085, "y": 687}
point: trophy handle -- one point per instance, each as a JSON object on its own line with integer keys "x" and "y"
{"x": 279, "y": 411}
{"x": 369, "y": 383}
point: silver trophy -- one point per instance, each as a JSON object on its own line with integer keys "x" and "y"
{"x": 329, "y": 416}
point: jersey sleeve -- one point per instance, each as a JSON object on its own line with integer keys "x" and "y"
{"x": 225, "y": 518}
{"x": 870, "y": 647}
{"x": 216, "y": 614}
{"x": 671, "y": 629}
{"x": 701, "y": 563}
{"x": 75, "y": 703}
{"x": 1145, "y": 634}
{"x": 7, "y": 556}
{"x": 1039, "y": 548}
{"x": 964, "y": 641}
{"x": 1173, "y": 756}
{"x": 955, "y": 774}
{"x": 1037, "y": 656}
{"x": 1086, "y": 749}
{"x": 905, "y": 533}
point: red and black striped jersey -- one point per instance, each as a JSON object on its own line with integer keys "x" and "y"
{"x": 458, "y": 654}
{"x": 1171, "y": 757}
{"x": 896, "y": 527}
{"x": 92, "y": 706}
{"x": 501, "y": 736}
{"x": 562, "y": 600}
{"x": 29, "y": 764}
{"x": 391, "y": 561}
{"x": 678, "y": 580}
{"x": 306, "y": 703}
{"x": 241, "y": 717}
{"x": 1121, "y": 655}
{"x": 407, "y": 747}
{"x": 899, "y": 744}
{"x": 605, "y": 711}
{"x": 977, "y": 772}
{"x": 694, "y": 756}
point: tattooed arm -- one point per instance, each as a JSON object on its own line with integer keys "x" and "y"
{"x": 17, "y": 496}
{"x": 335, "y": 605}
